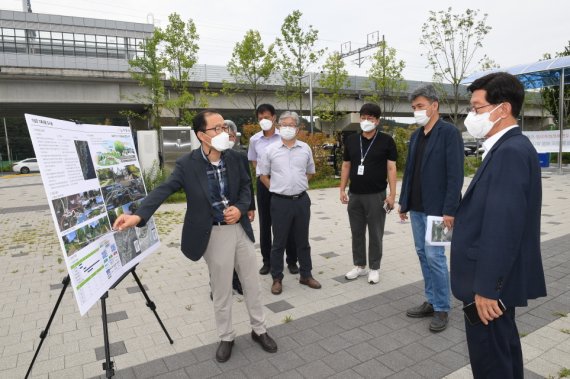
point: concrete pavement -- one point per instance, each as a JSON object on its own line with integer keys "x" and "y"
{"x": 343, "y": 330}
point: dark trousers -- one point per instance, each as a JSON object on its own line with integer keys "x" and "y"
{"x": 495, "y": 349}
{"x": 291, "y": 217}
{"x": 264, "y": 215}
{"x": 366, "y": 211}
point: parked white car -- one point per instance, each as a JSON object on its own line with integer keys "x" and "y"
{"x": 25, "y": 166}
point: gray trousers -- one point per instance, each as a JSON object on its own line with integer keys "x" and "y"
{"x": 367, "y": 211}
{"x": 230, "y": 247}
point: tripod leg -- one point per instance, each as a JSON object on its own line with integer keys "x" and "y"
{"x": 107, "y": 365}
{"x": 44, "y": 332}
{"x": 151, "y": 305}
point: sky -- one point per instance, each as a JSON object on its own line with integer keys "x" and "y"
{"x": 522, "y": 30}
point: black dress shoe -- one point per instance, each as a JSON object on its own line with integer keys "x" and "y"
{"x": 224, "y": 351}
{"x": 264, "y": 270}
{"x": 267, "y": 343}
{"x": 293, "y": 269}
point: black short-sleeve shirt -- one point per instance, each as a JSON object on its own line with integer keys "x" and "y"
{"x": 375, "y": 175}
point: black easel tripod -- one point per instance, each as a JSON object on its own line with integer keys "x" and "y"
{"x": 108, "y": 364}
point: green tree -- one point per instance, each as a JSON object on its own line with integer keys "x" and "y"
{"x": 333, "y": 79}
{"x": 179, "y": 54}
{"x": 452, "y": 41}
{"x": 119, "y": 147}
{"x": 286, "y": 92}
{"x": 297, "y": 52}
{"x": 251, "y": 65}
{"x": 551, "y": 95}
{"x": 147, "y": 70}
{"x": 385, "y": 78}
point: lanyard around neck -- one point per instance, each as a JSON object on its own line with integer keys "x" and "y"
{"x": 363, "y": 156}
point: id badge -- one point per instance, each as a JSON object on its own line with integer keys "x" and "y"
{"x": 360, "y": 170}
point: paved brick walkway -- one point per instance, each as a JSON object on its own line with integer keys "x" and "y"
{"x": 368, "y": 338}
{"x": 348, "y": 329}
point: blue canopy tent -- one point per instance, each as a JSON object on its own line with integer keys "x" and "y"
{"x": 547, "y": 73}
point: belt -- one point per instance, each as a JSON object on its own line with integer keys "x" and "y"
{"x": 292, "y": 197}
{"x": 219, "y": 223}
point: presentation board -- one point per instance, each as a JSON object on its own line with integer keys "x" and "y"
{"x": 91, "y": 175}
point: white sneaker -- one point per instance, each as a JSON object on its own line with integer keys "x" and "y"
{"x": 356, "y": 272}
{"x": 374, "y": 276}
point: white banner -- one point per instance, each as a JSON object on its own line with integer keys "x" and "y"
{"x": 91, "y": 175}
{"x": 548, "y": 141}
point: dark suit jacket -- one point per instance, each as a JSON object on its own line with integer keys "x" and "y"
{"x": 442, "y": 170}
{"x": 245, "y": 161}
{"x": 190, "y": 174}
{"x": 495, "y": 249}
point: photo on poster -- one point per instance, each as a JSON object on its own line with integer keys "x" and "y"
{"x": 147, "y": 234}
{"x": 437, "y": 234}
{"x": 78, "y": 208}
{"x": 79, "y": 238}
{"x": 85, "y": 161}
{"x": 128, "y": 245}
{"x": 121, "y": 185}
{"x": 129, "y": 209}
{"x": 114, "y": 151}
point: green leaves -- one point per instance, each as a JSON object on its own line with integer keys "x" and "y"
{"x": 251, "y": 66}
{"x": 171, "y": 53}
{"x": 451, "y": 41}
{"x": 385, "y": 78}
{"x": 333, "y": 79}
{"x": 297, "y": 54}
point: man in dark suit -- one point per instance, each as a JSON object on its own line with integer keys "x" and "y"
{"x": 216, "y": 225}
{"x": 432, "y": 187}
{"x": 495, "y": 249}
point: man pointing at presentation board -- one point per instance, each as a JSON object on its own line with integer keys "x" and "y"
{"x": 216, "y": 225}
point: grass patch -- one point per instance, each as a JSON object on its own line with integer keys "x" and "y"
{"x": 522, "y": 335}
{"x": 565, "y": 331}
{"x": 329, "y": 182}
{"x": 559, "y": 314}
{"x": 564, "y": 373}
{"x": 287, "y": 319}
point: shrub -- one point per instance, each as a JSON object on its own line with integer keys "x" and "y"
{"x": 247, "y": 131}
{"x": 401, "y": 138}
{"x": 470, "y": 165}
{"x": 320, "y": 155}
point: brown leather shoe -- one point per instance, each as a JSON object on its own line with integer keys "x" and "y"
{"x": 276, "y": 287}
{"x": 311, "y": 282}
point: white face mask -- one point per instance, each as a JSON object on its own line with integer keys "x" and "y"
{"x": 287, "y": 132}
{"x": 265, "y": 124}
{"x": 367, "y": 125}
{"x": 479, "y": 125}
{"x": 421, "y": 117}
{"x": 231, "y": 144}
{"x": 221, "y": 142}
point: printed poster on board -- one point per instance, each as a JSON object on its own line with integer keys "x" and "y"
{"x": 91, "y": 175}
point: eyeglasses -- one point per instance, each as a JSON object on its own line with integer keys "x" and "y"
{"x": 218, "y": 129}
{"x": 475, "y": 109}
{"x": 287, "y": 126}
{"x": 368, "y": 118}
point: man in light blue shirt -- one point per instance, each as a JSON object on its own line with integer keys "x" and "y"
{"x": 285, "y": 168}
{"x": 257, "y": 144}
